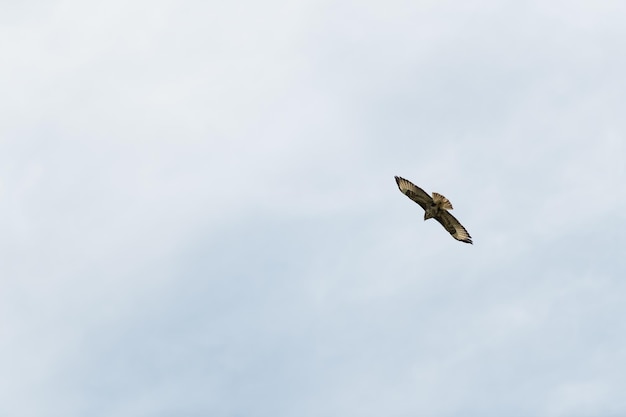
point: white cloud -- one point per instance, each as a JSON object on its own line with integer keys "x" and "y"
{"x": 199, "y": 212}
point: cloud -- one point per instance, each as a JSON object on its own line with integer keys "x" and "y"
{"x": 199, "y": 213}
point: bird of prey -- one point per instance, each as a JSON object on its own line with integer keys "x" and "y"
{"x": 435, "y": 207}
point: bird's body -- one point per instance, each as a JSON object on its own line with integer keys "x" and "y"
{"x": 435, "y": 207}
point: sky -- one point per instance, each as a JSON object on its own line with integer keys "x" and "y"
{"x": 199, "y": 215}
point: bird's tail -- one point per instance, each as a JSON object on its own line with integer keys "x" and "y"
{"x": 441, "y": 201}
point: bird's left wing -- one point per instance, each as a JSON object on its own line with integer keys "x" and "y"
{"x": 414, "y": 192}
{"x": 453, "y": 226}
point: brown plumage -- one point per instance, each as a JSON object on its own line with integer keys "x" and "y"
{"x": 435, "y": 207}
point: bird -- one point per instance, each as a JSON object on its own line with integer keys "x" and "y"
{"x": 435, "y": 207}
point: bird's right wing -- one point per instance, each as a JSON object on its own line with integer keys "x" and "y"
{"x": 414, "y": 192}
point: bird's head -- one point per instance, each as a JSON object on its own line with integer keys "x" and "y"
{"x": 428, "y": 215}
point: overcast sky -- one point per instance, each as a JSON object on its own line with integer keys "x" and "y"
{"x": 199, "y": 216}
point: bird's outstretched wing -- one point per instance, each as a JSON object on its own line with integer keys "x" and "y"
{"x": 453, "y": 226}
{"x": 414, "y": 192}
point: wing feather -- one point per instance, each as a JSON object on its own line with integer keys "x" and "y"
{"x": 453, "y": 226}
{"x": 414, "y": 192}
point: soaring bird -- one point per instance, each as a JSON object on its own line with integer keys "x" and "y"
{"x": 435, "y": 207}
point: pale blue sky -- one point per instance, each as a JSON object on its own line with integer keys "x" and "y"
{"x": 199, "y": 216}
